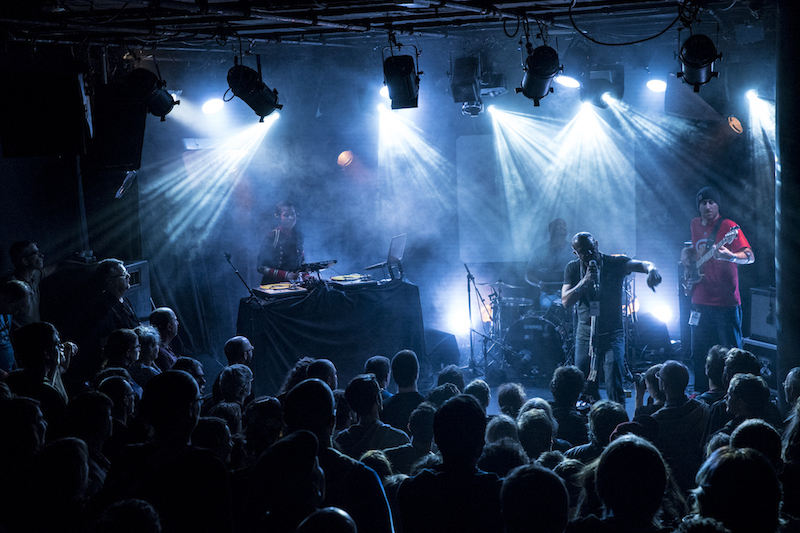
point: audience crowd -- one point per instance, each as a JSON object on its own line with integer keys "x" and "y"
{"x": 116, "y": 433}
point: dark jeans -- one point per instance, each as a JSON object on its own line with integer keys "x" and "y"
{"x": 717, "y": 325}
{"x": 610, "y": 354}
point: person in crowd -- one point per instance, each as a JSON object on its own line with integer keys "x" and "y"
{"x": 566, "y": 386}
{"x": 166, "y": 322}
{"x": 122, "y": 349}
{"x": 380, "y": 366}
{"x": 630, "y": 481}
{"x": 282, "y": 252}
{"x": 749, "y": 397}
{"x": 298, "y": 373}
{"x": 790, "y": 454}
{"x": 328, "y": 520}
{"x": 345, "y": 416}
{"x": 481, "y": 391}
{"x": 39, "y": 349}
{"x": 238, "y": 351}
{"x": 737, "y": 361}
{"x": 457, "y": 496}
{"x": 405, "y": 371}
{"x": 325, "y": 370}
{"x": 540, "y": 403}
{"x": 363, "y": 394}
{"x": 739, "y": 488}
{"x": 451, "y": 374}
{"x": 501, "y": 427}
{"x": 143, "y": 369}
{"x": 545, "y": 269}
{"x": 187, "y": 485}
{"x": 124, "y": 398}
{"x": 14, "y": 297}
{"x": 89, "y": 418}
{"x": 502, "y": 456}
{"x": 758, "y": 435}
{"x": 29, "y": 269}
{"x": 680, "y": 424}
{"x": 194, "y": 368}
{"x": 715, "y": 364}
{"x": 791, "y": 391}
{"x": 604, "y": 417}
{"x": 213, "y": 433}
{"x": 262, "y": 422}
{"x": 420, "y": 429}
{"x": 349, "y": 485}
{"x": 534, "y": 499}
{"x": 649, "y": 384}
{"x": 235, "y": 383}
{"x": 716, "y": 303}
{"x": 535, "y": 432}
{"x": 128, "y": 516}
{"x": 510, "y": 397}
{"x": 593, "y": 282}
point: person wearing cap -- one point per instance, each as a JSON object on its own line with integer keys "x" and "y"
{"x": 716, "y": 303}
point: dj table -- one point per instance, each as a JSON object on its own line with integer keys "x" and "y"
{"x": 347, "y": 326}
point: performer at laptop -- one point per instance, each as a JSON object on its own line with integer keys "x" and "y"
{"x": 716, "y": 303}
{"x": 282, "y": 253}
{"x": 594, "y": 282}
{"x": 546, "y": 267}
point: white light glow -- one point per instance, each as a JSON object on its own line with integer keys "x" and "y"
{"x": 385, "y": 91}
{"x": 491, "y": 108}
{"x": 567, "y": 81}
{"x": 212, "y": 106}
{"x": 751, "y": 95}
{"x": 663, "y": 313}
{"x": 657, "y": 86}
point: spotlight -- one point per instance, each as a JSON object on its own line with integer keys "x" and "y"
{"x": 464, "y": 82}
{"x": 401, "y": 77}
{"x": 540, "y": 68}
{"x": 657, "y": 86}
{"x": 491, "y": 108}
{"x": 697, "y": 57}
{"x": 568, "y": 81}
{"x": 213, "y": 106}
{"x": 384, "y": 91}
{"x": 602, "y": 80}
{"x": 472, "y": 109}
{"x": 752, "y": 94}
{"x": 151, "y": 89}
{"x": 248, "y": 85}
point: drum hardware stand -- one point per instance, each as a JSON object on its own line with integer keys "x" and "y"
{"x": 473, "y": 365}
{"x": 495, "y": 342}
{"x": 253, "y": 297}
{"x": 629, "y": 326}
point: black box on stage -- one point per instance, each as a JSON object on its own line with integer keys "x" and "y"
{"x": 767, "y": 354}
{"x": 139, "y": 293}
{"x": 763, "y": 315}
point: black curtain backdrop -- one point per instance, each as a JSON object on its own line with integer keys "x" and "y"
{"x": 346, "y": 326}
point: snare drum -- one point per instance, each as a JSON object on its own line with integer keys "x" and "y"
{"x": 540, "y": 343}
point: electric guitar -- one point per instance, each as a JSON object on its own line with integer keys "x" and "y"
{"x": 692, "y": 274}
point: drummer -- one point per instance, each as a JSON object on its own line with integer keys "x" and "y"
{"x": 546, "y": 267}
{"x": 282, "y": 253}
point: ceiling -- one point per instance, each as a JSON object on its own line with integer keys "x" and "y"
{"x": 211, "y": 24}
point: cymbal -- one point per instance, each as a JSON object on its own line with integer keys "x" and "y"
{"x": 500, "y": 284}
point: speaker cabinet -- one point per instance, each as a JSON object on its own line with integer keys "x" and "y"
{"x": 763, "y": 315}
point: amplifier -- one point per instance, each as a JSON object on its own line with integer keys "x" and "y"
{"x": 763, "y": 315}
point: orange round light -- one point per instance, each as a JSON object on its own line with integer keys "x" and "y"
{"x": 345, "y": 158}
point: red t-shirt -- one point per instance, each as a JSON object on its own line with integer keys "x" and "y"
{"x": 720, "y": 287}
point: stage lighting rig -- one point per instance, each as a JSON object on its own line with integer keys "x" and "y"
{"x": 401, "y": 75}
{"x": 150, "y": 88}
{"x": 602, "y": 80}
{"x": 539, "y": 68}
{"x": 469, "y": 83}
{"x": 697, "y": 58}
{"x": 248, "y": 85}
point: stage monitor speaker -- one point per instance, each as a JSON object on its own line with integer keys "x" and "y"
{"x": 139, "y": 293}
{"x": 442, "y": 348}
{"x": 767, "y": 354}
{"x": 763, "y": 316}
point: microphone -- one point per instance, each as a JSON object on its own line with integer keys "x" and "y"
{"x": 595, "y": 274}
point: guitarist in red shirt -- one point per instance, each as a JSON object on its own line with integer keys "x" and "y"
{"x": 712, "y": 280}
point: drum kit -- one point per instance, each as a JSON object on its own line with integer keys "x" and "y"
{"x": 520, "y": 337}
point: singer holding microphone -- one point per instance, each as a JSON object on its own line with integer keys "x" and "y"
{"x": 282, "y": 253}
{"x": 594, "y": 283}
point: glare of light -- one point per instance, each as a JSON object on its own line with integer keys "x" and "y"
{"x": 345, "y": 158}
{"x": 381, "y": 107}
{"x": 458, "y": 321}
{"x": 568, "y": 81}
{"x": 607, "y": 98}
{"x": 491, "y": 108}
{"x": 586, "y": 106}
{"x": 213, "y": 106}
{"x": 657, "y": 86}
{"x": 663, "y": 313}
{"x": 751, "y": 95}
{"x": 385, "y": 91}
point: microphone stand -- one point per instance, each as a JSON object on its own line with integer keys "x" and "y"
{"x": 253, "y": 296}
{"x": 473, "y": 365}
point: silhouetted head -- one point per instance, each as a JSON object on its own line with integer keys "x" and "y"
{"x": 405, "y": 368}
{"x": 533, "y": 499}
{"x": 309, "y": 405}
{"x": 458, "y": 429}
{"x": 171, "y": 403}
{"x": 328, "y": 520}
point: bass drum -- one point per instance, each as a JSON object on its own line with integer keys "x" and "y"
{"x": 539, "y": 342}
